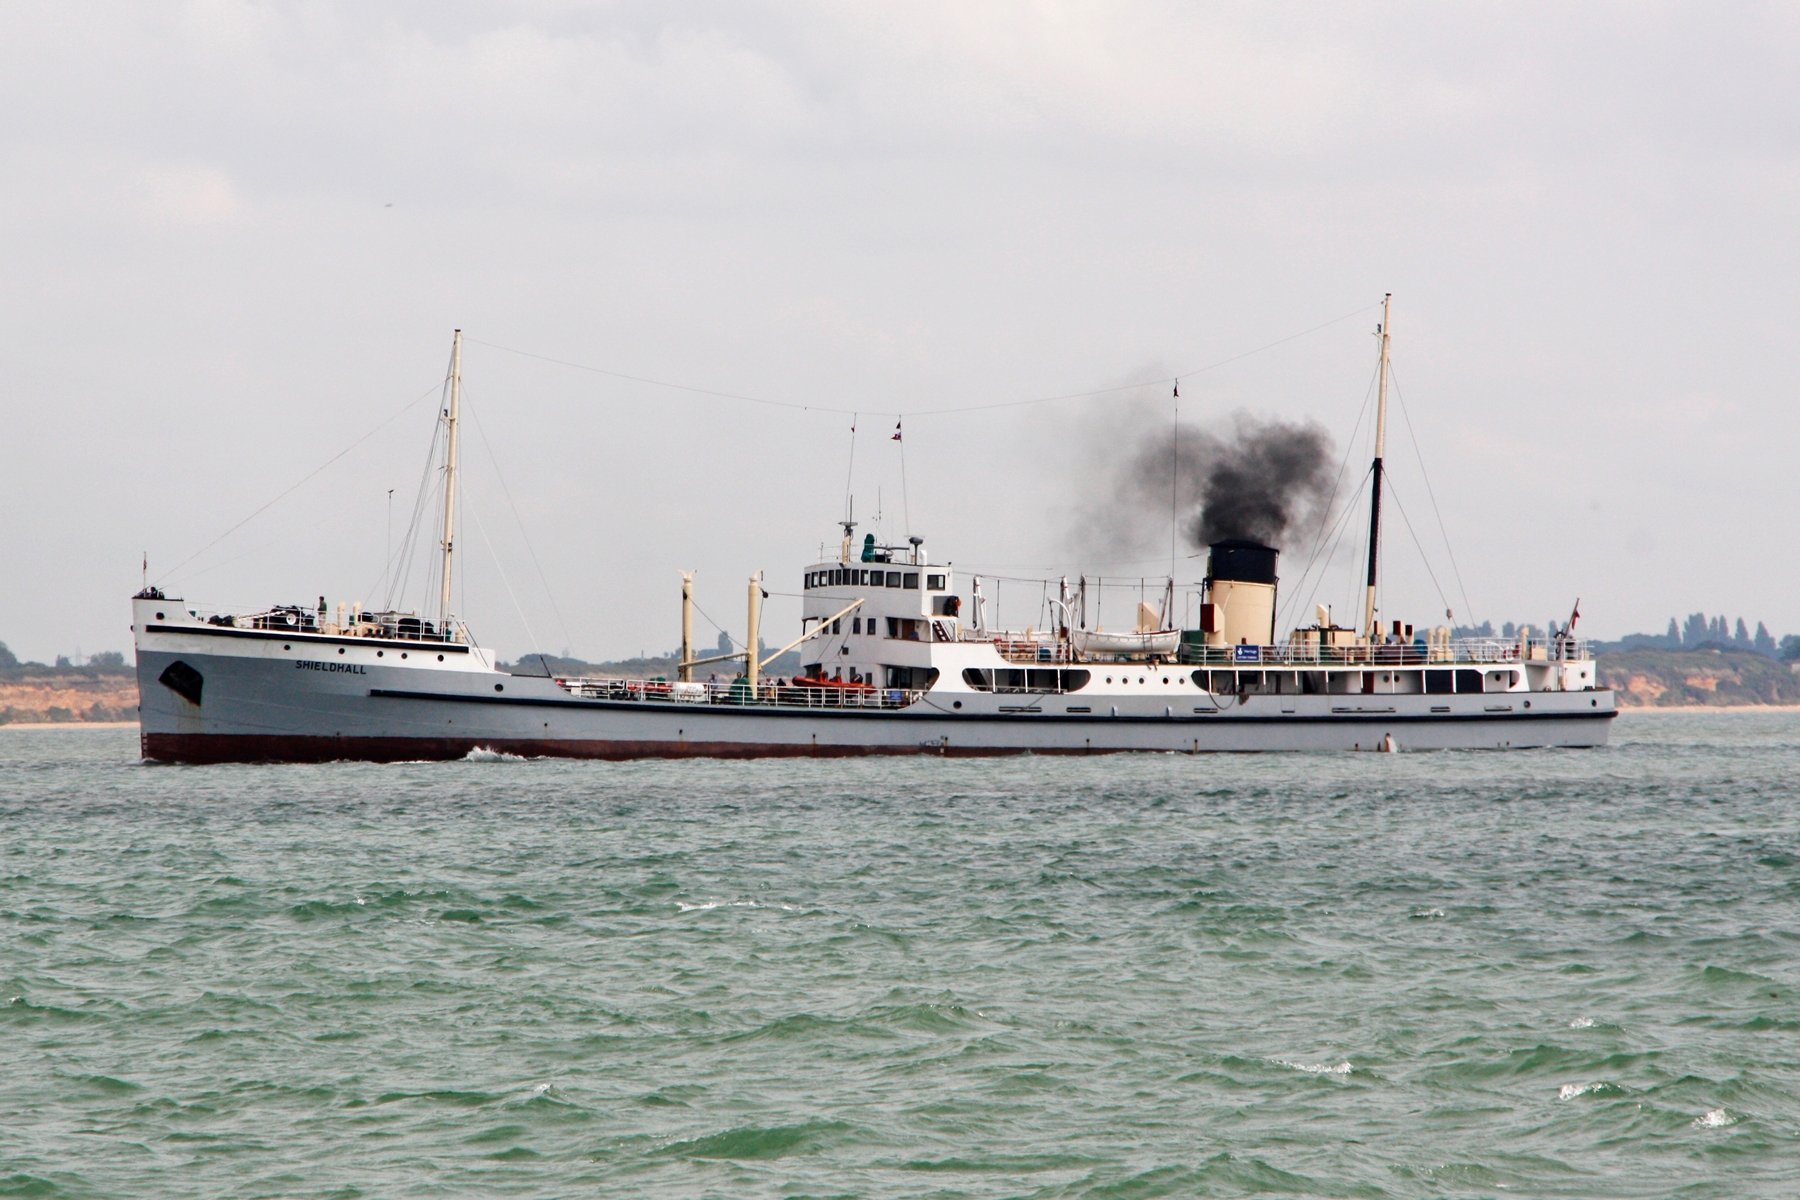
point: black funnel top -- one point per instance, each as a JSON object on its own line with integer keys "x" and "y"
{"x": 1243, "y": 561}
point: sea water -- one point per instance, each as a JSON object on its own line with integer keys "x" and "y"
{"x": 1547, "y": 973}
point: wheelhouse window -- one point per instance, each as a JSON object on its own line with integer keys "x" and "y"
{"x": 934, "y": 583}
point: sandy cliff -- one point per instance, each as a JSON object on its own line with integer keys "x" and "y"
{"x": 1719, "y": 679}
{"x": 29, "y": 695}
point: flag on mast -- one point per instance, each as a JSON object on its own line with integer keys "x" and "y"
{"x": 896, "y": 431}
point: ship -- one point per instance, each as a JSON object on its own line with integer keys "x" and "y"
{"x": 897, "y": 656}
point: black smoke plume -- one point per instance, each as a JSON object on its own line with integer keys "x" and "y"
{"x": 1268, "y": 481}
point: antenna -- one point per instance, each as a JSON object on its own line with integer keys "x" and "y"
{"x": 1387, "y": 306}
{"x": 451, "y": 416}
{"x": 850, "y": 468}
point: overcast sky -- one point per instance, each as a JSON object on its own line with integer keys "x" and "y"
{"x": 237, "y": 237}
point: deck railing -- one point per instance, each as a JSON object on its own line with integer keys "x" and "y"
{"x": 1473, "y": 651}
{"x": 769, "y": 694}
{"x": 1020, "y": 650}
{"x": 1016, "y": 648}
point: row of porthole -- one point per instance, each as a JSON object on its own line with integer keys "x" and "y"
{"x": 1126, "y": 679}
{"x": 378, "y": 653}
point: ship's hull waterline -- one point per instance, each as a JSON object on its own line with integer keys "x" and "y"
{"x": 277, "y": 706}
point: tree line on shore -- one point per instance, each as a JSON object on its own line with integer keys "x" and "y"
{"x": 106, "y": 660}
{"x": 1698, "y": 632}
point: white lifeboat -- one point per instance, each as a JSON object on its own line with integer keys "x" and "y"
{"x": 1157, "y": 641}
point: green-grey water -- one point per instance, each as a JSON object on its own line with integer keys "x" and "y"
{"x": 1482, "y": 974}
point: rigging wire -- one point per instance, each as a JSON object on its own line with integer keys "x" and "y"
{"x": 307, "y": 478}
{"x": 1336, "y": 485}
{"x": 518, "y": 520}
{"x": 274, "y": 541}
{"x": 396, "y": 578}
{"x": 482, "y": 529}
{"x": 1421, "y": 548}
{"x": 930, "y": 412}
{"x": 905, "y": 503}
{"x": 1336, "y": 537}
{"x": 402, "y": 566}
{"x": 1442, "y": 531}
{"x": 729, "y": 639}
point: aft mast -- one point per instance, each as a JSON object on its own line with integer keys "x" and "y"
{"x": 1370, "y": 629}
{"x": 451, "y": 418}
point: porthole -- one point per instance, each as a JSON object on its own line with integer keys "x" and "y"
{"x": 340, "y": 649}
{"x": 403, "y": 654}
{"x": 379, "y": 653}
{"x": 286, "y": 647}
{"x": 440, "y": 658}
{"x": 1140, "y": 679}
{"x": 956, "y": 704}
{"x": 1528, "y": 704}
{"x": 1593, "y": 704}
{"x": 1109, "y": 679}
{"x": 159, "y": 616}
{"x": 499, "y": 687}
{"x": 1165, "y": 680}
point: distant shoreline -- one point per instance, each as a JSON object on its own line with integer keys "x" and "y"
{"x": 1699, "y": 708}
{"x": 68, "y": 725}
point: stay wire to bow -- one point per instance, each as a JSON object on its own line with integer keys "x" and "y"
{"x": 304, "y": 480}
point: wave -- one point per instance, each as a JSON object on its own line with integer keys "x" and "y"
{"x": 753, "y": 1142}
{"x": 709, "y": 905}
{"x": 1343, "y": 1068}
{"x": 483, "y": 754}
